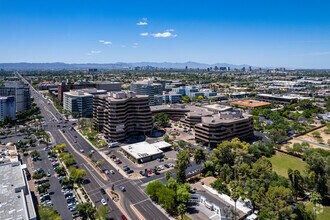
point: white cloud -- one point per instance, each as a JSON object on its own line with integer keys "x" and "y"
{"x": 105, "y": 42}
{"x": 144, "y": 34}
{"x": 135, "y": 45}
{"x": 165, "y": 34}
{"x": 95, "y": 51}
{"x": 143, "y": 22}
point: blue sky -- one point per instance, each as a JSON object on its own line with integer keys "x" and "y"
{"x": 289, "y": 33}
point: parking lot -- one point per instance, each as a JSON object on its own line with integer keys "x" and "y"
{"x": 135, "y": 170}
{"x": 48, "y": 189}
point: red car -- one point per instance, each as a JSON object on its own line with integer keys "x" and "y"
{"x": 118, "y": 162}
{"x": 123, "y": 217}
{"x": 113, "y": 156}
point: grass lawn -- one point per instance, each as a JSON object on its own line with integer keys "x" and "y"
{"x": 324, "y": 211}
{"x": 282, "y": 162}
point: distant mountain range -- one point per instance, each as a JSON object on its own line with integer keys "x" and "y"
{"x": 119, "y": 65}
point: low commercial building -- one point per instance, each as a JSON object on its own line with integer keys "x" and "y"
{"x": 143, "y": 151}
{"x": 108, "y": 86}
{"x": 7, "y": 107}
{"x": 47, "y": 85}
{"x": 251, "y": 104}
{"x": 122, "y": 114}
{"x": 223, "y": 126}
{"x": 277, "y": 98}
{"x": 80, "y": 102}
{"x": 216, "y": 108}
{"x": 15, "y": 196}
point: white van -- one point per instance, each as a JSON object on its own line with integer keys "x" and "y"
{"x": 113, "y": 144}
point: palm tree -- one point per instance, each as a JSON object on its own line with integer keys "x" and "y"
{"x": 315, "y": 198}
{"x": 86, "y": 210}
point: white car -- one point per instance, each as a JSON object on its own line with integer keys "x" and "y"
{"x": 112, "y": 172}
{"x": 103, "y": 202}
{"x": 82, "y": 150}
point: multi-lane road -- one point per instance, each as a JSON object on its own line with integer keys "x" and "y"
{"x": 134, "y": 196}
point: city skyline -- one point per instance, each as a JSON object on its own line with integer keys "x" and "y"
{"x": 291, "y": 34}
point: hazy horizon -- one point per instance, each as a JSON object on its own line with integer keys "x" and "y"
{"x": 292, "y": 34}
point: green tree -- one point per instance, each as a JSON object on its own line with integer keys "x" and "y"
{"x": 181, "y": 165}
{"x": 315, "y": 198}
{"x": 234, "y": 194}
{"x": 168, "y": 175}
{"x": 185, "y": 99}
{"x": 166, "y": 138}
{"x": 276, "y": 203}
{"x": 317, "y": 173}
{"x": 160, "y": 119}
{"x": 182, "y": 210}
{"x": 199, "y": 155}
{"x": 102, "y": 213}
{"x": 167, "y": 198}
{"x": 86, "y": 210}
{"x": 296, "y": 181}
{"x": 183, "y": 193}
{"x": 34, "y": 154}
{"x": 200, "y": 98}
{"x": 172, "y": 184}
{"x": 153, "y": 188}
{"x": 59, "y": 148}
{"x": 48, "y": 213}
{"x": 77, "y": 175}
{"x": 302, "y": 213}
{"x": 60, "y": 170}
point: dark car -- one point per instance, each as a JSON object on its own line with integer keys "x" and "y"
{"x": 129, "y": 171}
{"x": 102, "y": 191}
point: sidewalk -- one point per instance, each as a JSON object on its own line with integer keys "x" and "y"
{"x": 105, "y": 156}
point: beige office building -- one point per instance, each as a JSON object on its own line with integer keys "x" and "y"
{"x": 223, "y": 126}
{"x": 121, "y": 114}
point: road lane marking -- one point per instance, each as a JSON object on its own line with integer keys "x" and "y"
{"x": 147, "y": 199}
{"x": 93, "y": 175}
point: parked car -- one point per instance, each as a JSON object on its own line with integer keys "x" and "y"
{"x": 122, "y": 188}
{"x": 104, "y": 202}
{"x": 102, "y": 191}
{"x": 112, "y": 172}
{"x": 129, "y": 171}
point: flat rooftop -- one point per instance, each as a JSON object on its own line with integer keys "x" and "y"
{"x": 144, "y": 149}
{"x": 218, "y": 107}
{"x": 251, "y": 103}
{"x": 8, "y": 153}
{"x": 169, "y": 107}
{"x": 224, "y": 117}
{"x": 15, "y": 197}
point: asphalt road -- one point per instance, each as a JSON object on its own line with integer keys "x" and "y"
{"x": 133, "y": 194}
